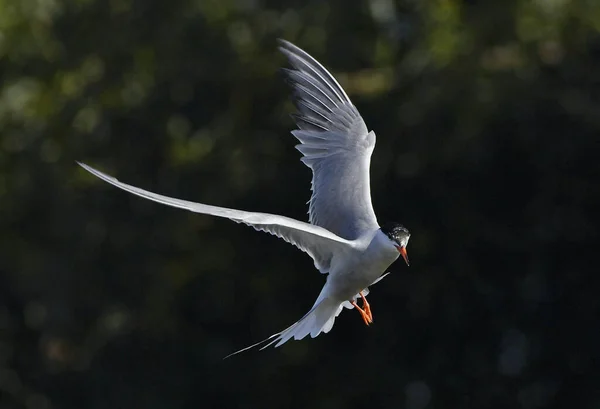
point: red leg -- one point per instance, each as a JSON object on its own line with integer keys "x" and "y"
{"x": 362, "y": 312}
{"x": 366, "y": 306}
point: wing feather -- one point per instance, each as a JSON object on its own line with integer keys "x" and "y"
{"x": 336, "y": 145}
{"x": 317, "y": 242}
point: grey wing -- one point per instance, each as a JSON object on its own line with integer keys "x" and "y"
{"x": 336, "y": 145}
{"x": 317, "y": 242}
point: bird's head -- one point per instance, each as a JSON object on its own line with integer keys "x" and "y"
{"x": 399, "y": 236}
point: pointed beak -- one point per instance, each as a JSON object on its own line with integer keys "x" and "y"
{"x": 402, "y": 250}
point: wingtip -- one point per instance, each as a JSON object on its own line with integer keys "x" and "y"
{"x": 287, "y": 48}
{"x": 283, "y": 42}
{"x": 84, "y": 166}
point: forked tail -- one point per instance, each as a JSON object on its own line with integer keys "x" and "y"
{"x": 319, "y": 319}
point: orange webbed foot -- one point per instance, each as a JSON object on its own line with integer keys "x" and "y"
{"x": 365, "y": 314}
{"x": 366, "y": 307}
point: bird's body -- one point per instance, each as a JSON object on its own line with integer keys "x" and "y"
{"x": 360, "y": 267}
{"x": 343, "y": 236}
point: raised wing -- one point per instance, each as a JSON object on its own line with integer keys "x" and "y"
{"x": 336, "y": 145}
{"x": 317, "y": 242}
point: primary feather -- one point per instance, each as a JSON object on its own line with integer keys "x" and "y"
{"x": 317, "y": 242}
{"x": 336, "y": 145}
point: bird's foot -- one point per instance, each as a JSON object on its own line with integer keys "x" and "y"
{"x": 366, "y": 307}
{"x": 367, "y": 318}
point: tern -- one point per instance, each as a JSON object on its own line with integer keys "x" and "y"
{"x": 342, "y": 235}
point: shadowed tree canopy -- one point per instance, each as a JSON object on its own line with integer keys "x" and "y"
{"x": 487, "y": 117}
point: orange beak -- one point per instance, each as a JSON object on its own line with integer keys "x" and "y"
{"x": 402, "y": 250}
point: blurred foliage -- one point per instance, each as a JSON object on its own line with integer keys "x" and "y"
{"x": 487, "y": 116}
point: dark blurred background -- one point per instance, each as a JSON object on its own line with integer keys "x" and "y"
{"x": 488, "y": 123}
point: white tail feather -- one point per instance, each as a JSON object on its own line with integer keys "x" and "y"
{"x": 319, "y": 319}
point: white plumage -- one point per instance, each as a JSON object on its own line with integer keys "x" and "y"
{"x": 343, "y": 236}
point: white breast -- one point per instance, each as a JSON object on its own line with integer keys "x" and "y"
{"x": 361, "y": 268}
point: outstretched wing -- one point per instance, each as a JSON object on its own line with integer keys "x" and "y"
{"x": 336, "y": 145}
{"x": 317, "y": 242}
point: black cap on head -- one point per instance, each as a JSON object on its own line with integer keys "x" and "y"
{"x": 395, "y": 231}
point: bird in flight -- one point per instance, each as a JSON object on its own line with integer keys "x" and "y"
{"x": 342, "y": 236}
